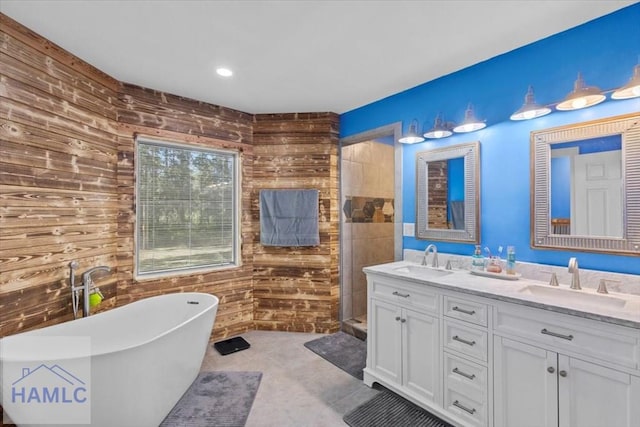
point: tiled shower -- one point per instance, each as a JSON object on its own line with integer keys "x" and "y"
{"x": 368, "y": 208}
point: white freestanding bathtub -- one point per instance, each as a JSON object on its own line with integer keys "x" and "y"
{"x": 143, "y": 357}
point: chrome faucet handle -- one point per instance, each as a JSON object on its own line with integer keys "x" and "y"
{"x": 575, "y": 276}
{"x": 434, "y": 263}
{"x": 451, "y": 263}
{"x": 553, "y": 281}
{"x": 602, "y": 286}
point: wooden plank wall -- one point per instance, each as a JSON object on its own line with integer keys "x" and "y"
{"x": 67, "y": 193}
{"x": 58, "y": 186}
{"x": 297, "y": 289}
{"x": 438, "y": 178}
{"x": 169, "y": 117}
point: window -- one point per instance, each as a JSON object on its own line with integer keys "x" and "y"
{"x": 187, "y": 208}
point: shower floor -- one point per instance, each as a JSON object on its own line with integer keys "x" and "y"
{"x": 356, "y": 326}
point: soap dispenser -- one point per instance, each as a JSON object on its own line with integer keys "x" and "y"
{"x": 477, "y": 260}
{"x": 511, "y": 260}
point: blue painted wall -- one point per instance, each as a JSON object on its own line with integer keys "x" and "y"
{"x": 604, "y": 50}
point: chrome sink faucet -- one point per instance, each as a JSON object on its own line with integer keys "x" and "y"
{"x": 434, "y": 249}
{"x": 575, "y": 273}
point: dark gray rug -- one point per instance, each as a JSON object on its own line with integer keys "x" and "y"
{"x": 216, "y": 399}
{"x": 343, "y": 350}
{"x": 388, "y": 409}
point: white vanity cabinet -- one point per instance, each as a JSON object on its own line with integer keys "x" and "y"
{"x": 403, "y": 349}
{"x": 466, "y": 356}
{"x": 556, "y": 370}
{"x": 479, "y": 359}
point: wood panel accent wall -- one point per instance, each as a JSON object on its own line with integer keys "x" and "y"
{"x": 438, "y": 184}
{"x": 173, "y": 118}
{"x": 297, "y": 288}
{"x": 67, "y": 177}
{"x": 58, "y": 185}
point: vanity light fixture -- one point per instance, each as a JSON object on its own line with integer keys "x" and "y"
{"x": 530, "y": 110}
{"x": 412, "y": 136}
{"x": 440, "y": 129}
{"x": 582, "y": 96}
{"x": 470, "y": 123}
{"x": 631, "y": 89}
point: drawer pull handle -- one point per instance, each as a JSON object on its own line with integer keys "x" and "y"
{"x": 462, "y": 310}
{"x": 403, "y": 320}
{"x": 398, "y": 294}
{"x": 555, "y": 334}
{"x": 462, "y": 340}
{"x": 464, "y": 374}
{"x": 464, "y": 408}
{"x": 397, "y": 318}
{"x": 551, "y": 369}
{"x": 562, "y": 373}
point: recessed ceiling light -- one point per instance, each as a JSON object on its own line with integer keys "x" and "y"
{"x": 224, "y": 72}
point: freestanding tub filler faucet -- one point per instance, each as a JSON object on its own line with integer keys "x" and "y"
{"x": 86, "y": 287}
{"x": 433, "y": 249}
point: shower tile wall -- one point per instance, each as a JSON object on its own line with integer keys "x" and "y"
{"x": 367, "y": 188}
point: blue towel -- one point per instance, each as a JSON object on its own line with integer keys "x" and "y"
{"x": 289, "y": 218}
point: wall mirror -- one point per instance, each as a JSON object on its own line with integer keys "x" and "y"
{"x": 586, "y": 186}
{"x": 448, "y": 193}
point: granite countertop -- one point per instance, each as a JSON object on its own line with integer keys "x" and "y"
{"x": 515, "y": 291}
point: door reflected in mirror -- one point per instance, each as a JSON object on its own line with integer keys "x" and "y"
{"x": 586, "y": 187}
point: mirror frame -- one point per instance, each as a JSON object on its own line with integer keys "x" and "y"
{"x": 471, "y": 153}
{"x": 628, "y": 126}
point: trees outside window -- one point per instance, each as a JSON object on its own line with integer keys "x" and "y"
{"x": 187, "y": 208}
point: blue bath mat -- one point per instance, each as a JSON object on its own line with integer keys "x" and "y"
{"x": 216, "y": 399}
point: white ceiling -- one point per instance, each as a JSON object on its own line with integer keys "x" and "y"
{"x": 294, "y": 56}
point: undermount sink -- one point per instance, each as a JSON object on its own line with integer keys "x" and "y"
{"x": 422, "y": 271}
{"x": 583, "y": 296}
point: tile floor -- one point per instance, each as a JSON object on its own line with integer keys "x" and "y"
{"x": 298, "y": 387}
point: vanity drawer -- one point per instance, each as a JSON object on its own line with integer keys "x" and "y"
{"x": 466, "y": 377}
{"x": 472, "y": 411}
{"x": 586, "y": 337}
{"x": 408, "y": 296}
{"x": 469, "y": 311}
{"x": 466, "y": 340}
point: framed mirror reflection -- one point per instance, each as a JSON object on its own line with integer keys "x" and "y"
{"x": 585, "y": 186}
{"x": 448, "y": 193}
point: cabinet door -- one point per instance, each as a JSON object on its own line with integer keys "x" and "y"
{"x": 525, "y": 385}
{"x": 591, "y": 395}
{"x": 386, "y": 340}
{"x": 421, "y": 367}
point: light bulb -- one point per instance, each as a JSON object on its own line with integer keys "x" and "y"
{"x": 438, "y": 134}
{"x": 224, "y": 72}
{"x": 529, "y": 114}
{"x": 579, "y": 103}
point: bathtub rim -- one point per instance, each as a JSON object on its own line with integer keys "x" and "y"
{"x": 215, "y": 301}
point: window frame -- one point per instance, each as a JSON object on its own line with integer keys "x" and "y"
{"x": 236, "y": 246}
